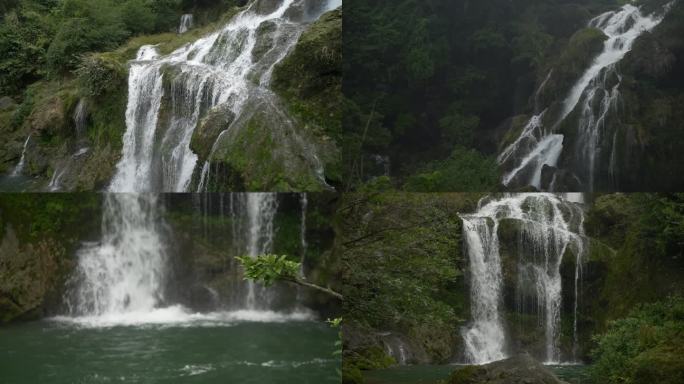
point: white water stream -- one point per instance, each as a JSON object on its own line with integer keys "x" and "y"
{"x": 548, "y": 226}
{"x": 121, "y": 279}
{"x": 22, "y": 161}
{"x": 538, "y": 145}
{"x": 168, "y": 95}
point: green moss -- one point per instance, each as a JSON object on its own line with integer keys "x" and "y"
{"x": 167, "y": 42}
{"x": 663, "y": 364}
{"x": 576, "y": 56}
{"x": 108, "y": 119}
{"x": 310, "y": 82}
{"x": 465, "y": 375}
{"x": 644, "y": 347}
{"x": 99, "y": 73}
{"x": 517, "y": 125}
{"x": 253, "y": 159}
{"x": 351, "y": 374}
{"x": 374, "y": 358}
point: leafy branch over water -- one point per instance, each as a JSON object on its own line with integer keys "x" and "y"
{"x": 268, "y": 269}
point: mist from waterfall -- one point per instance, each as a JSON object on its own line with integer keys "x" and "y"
{"x": 547, "y": 227}
{"x": 122, "y": 274}
{"x": 123, "y": 278}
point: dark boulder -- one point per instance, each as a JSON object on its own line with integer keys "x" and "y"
{"x": 521, "y": 369}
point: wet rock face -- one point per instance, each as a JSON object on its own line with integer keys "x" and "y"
{"x": 204, "y": 137}
{"x": 265, "y": 149}
{"x": 521, "y": 369}
{"x": 48, "y": 118}
{"x": 265, "y": 7}
{"x": 6, "y": 103}
{"x": 264, "y": 40}
{"x": 306, "y": 10}
{"x": 29, "y": 274}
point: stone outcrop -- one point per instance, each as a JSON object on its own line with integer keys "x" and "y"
{"x": 521, "y": 369}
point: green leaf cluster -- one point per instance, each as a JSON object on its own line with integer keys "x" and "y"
{"x": 268, "y": 269}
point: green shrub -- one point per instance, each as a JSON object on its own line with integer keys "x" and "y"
{"x": 465, "y": 170}
{"x": 645, "y": 347}
{"x": 97, "y": 75}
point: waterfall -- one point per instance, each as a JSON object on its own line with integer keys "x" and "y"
{"x": 186, "y": 23}
{"x": 261, "y": 209}
{"x": 485, "y": 339}
{"x": 63, "y": 166}
{"x": 538, "y": 146}
{"x": 123, "y": 278}
{"x": 22, "y": 161}
{"x": 80, "y": 118}
{"x": 123, "y": 274}
{"x": 169, "y": 95}
{"x": 304, "y": 201}
{"x": 547, "y": 226}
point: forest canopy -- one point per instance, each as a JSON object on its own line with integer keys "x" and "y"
{"x": 452, "y": 78}
{"x": 43, "y": 38}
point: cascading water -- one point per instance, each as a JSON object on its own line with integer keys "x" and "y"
{"x": 261, "y": 210}
{"x": 597, "y": 88}
{"x": 169, "y": 95}
{"x": 548, "y": 226}
{"x": 123, "y": 274}
{"x": 62, "y": 168}
{"x": 80, "y": 118}
{"x": 304, "y": 201}
{"x": 123, "y": 278}
{"x": 22, "y": 161}
{"x": 485, "y": 339}
{"x": 186, "y": 23}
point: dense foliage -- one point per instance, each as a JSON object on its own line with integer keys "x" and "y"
{"x": 402, "y": 269}
{"x": 646, "y": 232}
{"x": 456, "y": 76}
{"x": 47, "y": 37}
{"x": 645, "y": 347}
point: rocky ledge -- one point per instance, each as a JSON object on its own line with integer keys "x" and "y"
{"x": 521, "y": 369}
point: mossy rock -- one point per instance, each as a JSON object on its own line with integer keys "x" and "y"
{"x": 264, "y": 149}
{"x": 264, "y": 40}
{"x": 576, "y": 56}
{"x": 465, "y": 375}
{"x": 97, "y": 170}
{"x": 373, "y": 357}
{"x": 209, "y": 129}
{"x": 309, "y": 80}
{"x": 513, "y": 131}
{"x": 521, "y": 369}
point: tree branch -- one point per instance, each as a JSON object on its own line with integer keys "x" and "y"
{"x": 304, "y": 283}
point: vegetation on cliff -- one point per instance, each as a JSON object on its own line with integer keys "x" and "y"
{"x": 645, "y": 347}
{"x": 83, "y": 63}
{"x": 404, "y": 268}
{"x": 428, "y": 97}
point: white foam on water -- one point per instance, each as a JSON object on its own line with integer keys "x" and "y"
{"x": 196, "y": 369}
{"x": 178, "y": 315}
